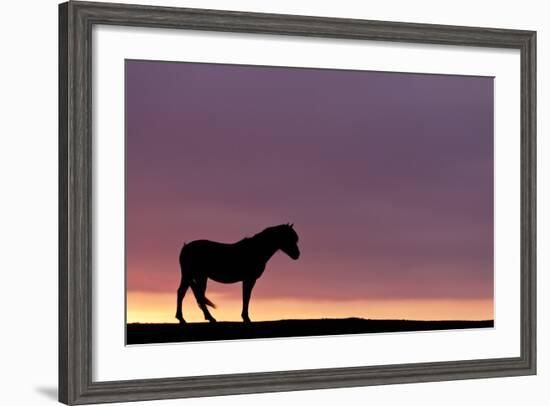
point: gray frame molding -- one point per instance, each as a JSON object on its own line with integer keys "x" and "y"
{"x": 75, "y": 256}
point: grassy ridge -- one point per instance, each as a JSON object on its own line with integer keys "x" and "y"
{"x": 137, "y": 333}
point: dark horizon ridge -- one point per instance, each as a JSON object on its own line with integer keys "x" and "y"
{"x": 155, "y": 333}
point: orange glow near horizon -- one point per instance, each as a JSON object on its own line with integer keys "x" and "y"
{"x": 145, "y": 307}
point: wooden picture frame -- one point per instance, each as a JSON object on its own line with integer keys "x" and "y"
{"x": 76, "y": 20}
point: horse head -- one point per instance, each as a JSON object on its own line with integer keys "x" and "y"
{"x": 288, "y": 240}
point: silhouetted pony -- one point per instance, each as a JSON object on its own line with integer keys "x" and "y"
{"x": 243, "y": 261}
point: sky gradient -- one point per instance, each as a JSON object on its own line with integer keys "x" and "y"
{"x": 388, "y": 178}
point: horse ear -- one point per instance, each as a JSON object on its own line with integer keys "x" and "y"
{"x": 292, "y": 225}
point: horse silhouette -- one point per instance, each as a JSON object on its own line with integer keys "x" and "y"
{"x": 243, "y": 261}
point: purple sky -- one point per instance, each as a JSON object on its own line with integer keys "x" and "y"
{"x": 386, "y": 176}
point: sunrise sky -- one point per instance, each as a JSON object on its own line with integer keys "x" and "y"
{"x": 386, "y": 176}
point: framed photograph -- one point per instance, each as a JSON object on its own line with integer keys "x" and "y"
{"x": 257, "y": 202}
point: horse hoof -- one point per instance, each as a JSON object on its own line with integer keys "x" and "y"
{"x": 182, "y": 322}
{"x": 212, "y": 320}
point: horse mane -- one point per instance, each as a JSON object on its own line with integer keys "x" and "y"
{"x": 259, "y": 235}
{"x": 243, "y": 241}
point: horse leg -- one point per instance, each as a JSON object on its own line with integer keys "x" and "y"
{"x": 199, "y": 289}
{"x": 248, "y": 284}
{"x": 184, "y": 284}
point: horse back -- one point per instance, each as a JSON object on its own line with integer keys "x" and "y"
{"x": 203, "y": 250}
{"x": 225, "y": 263}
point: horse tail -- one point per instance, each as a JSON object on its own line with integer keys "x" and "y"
{"x": 208, "y": 302}
{"x": 200, "y": 296}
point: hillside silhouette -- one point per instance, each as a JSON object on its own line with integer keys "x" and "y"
{"x": 138, "y": 333}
